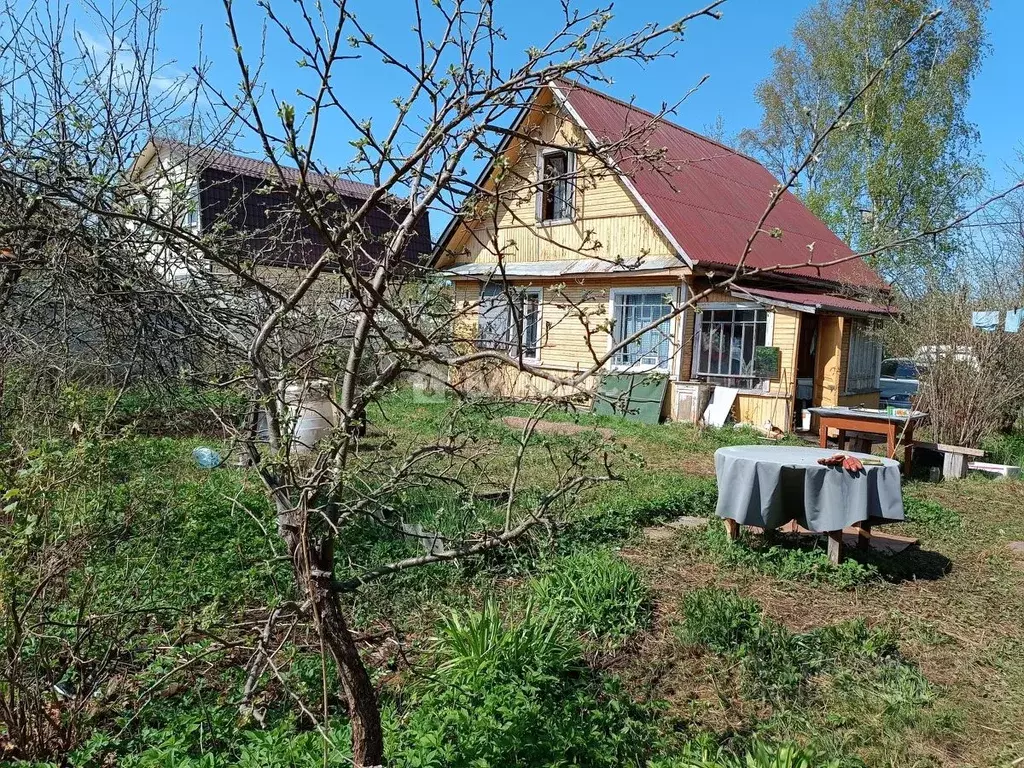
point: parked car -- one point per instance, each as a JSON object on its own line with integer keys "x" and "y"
{"x": 900, "y": 381}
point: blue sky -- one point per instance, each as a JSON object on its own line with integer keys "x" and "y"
{"x": 735, "y": 52}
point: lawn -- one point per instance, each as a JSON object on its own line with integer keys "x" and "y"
{"x": 618, "y": 641}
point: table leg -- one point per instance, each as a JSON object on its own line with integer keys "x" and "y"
{"x": 890, "y": 441}
{"x": 864, "y": 535}
{"x": 822, "y": 434}
{"x": 842, "y": 440}
{"x": 835, "y": 547}
{"x": 908, "y": 451}
{"x": 732, "y": 529}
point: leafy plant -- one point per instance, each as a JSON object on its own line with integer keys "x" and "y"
{"x": 595, "y": 592}
{"x": 760, "y": 754}
{"x": 516, "y": 693}
{"x": 477, "y": 644}
{"x": 796, "y": 560}
{"x": 931, "y": 514}
{"x": 722, "y": 621}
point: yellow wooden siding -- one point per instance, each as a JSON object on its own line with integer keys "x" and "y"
{"x": 608, "y": 222}
{"x": 758, "y": 409}
{"x": 574, "y": 330}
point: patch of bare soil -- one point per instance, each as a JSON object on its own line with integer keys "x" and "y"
{"x": 556, "y": 427}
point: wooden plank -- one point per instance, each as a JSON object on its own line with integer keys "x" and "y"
{"x": 954, "y": 465}
{"x": 943, "y": 448}
{"x": 835, "y": 547}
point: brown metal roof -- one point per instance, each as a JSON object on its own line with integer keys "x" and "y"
{"x": 234, "y": 190}
{"x": 708, "y": 198}
{"x": 229, "y": 162}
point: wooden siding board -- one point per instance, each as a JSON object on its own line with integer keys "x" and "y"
{"x": 608, "y": 224}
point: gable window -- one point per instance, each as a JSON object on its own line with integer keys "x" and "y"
{"x": 865, "y": 360}
{"x": 727, "y": 335}
{"x": 510, "y": 320}
{"x": 632, "y": 311}
{"x": 554, "y": 199}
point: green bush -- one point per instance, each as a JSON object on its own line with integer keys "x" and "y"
{"x": 471, "y": 646}
{"x": 1005, "y": 449}
{"x": 516, "y": 693}
{"x": 595, "y": 592}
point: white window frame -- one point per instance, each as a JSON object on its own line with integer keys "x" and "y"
{"x": 865, "y": 355}
{"x": 669, "y": 291}
{"x": 769, "y": 338}
{"x": 506, "y": 289}
{"x": 570, "y": 164}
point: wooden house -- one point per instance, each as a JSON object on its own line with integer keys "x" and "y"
{"x": 608, "y": 217}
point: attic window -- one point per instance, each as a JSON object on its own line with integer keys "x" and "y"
{"x": 554, "y": 199}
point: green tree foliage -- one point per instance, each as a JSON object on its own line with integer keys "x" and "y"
{"x": 904, "y": 160}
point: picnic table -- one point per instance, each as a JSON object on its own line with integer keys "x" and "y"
{"x": 769, "y": 486}
{"x": 897, "y": 429}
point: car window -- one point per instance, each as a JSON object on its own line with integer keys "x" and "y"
{"x": 889, "y": 368}
{"x": 906, "y": 370}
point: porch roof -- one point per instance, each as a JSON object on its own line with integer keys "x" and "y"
{"x": 565, "y": 268}
{"x": 812, "y": 302}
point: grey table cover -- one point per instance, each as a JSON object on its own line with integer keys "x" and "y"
{"x": 769, "y": 485}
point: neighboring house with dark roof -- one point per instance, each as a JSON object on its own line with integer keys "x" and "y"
{"x": 250, "y": 201}
{"x": 625, "y": 237}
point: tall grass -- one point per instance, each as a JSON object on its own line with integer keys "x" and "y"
{"x": 595, "y": 592}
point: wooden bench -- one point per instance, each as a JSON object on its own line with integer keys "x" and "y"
{"x": 954, "y": 457}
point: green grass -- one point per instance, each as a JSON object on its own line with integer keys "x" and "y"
{"x": 596, "y": 593}
{"x": 782, "y": 557}
{"x": 864, "y": 664}
{"x": 911, "y": 656}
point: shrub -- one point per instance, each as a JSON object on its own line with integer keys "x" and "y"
{"x": 471, "y": 646}
{"x": 595, "y": 592}
{"x": 1006, "y": 448}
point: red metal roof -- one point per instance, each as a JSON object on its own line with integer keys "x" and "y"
{"x": 710, "y": 197}
{"x": 815, "y": 300}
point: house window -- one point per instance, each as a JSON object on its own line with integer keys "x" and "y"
{"x": 725, "y": 344}
{"x": 510, "y": 320}
{"x": 633, "y": 311}
{"x": 865, "y": 359}
{"x": 554, "y": 201}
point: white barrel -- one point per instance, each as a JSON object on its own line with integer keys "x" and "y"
{"x": 311, "y": 411}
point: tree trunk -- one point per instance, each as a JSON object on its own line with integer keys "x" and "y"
{"x": 313, "y": 578}
{"x": 363, "y": 709}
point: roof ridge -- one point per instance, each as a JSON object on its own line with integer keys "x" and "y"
{"x": 654, "y": 115}
{"x": 215, "y": 155}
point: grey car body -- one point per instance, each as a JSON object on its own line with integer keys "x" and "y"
{"x": 900, "y": 381}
